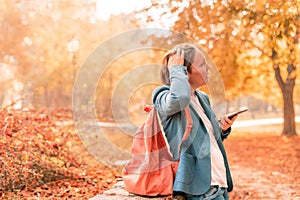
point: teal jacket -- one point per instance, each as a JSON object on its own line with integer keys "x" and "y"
{"x": 194, "y": 171}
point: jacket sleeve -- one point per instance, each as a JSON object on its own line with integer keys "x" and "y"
{"x": 225, "y": 134}
{"x": 176, "y": 97}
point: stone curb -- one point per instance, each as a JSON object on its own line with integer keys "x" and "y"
{"x": 118, "y": 192}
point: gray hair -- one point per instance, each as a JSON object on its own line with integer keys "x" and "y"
{"x": 189, "y": 54}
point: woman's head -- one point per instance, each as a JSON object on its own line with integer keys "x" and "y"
{"x": 189, "y": 54}
{"x": 195, "y": 61}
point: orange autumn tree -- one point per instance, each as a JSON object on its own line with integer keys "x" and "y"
{"x": 252, "y": 43}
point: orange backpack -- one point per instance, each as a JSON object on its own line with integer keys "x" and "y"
{"x": 151, "y": 170}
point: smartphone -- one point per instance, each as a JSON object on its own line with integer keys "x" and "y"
{"x": 231, "y": 115}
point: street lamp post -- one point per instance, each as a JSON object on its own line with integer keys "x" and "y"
{"x": 73, "y": 47}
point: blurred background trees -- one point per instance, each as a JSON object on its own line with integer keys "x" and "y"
{"x": 255, "y": 46}
{"x": 43, "y": 45}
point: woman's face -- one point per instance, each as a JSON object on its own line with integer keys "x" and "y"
{"x": 200, "y": 71}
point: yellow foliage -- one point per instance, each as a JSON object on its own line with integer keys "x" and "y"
{"x": 268, "y": 27}
{"x": 292, "y": 75}
{"x": 57, "y": 161}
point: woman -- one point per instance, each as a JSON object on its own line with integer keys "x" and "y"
{"x": 203, "y": 172}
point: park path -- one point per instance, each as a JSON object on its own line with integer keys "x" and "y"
{"x": 258, "y": 122}
{"x": 237, "y": 124}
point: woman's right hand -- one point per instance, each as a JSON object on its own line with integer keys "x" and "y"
{"x": 176, "y": 58}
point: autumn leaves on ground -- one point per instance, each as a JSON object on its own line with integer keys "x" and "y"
{"x": 41, "y": 160}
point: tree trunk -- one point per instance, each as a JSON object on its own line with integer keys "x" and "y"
{"x": 289, "y": 125}
{"x": 287, "y": 89}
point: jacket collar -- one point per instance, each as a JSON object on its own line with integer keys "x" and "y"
{"x": 208, "y": 111}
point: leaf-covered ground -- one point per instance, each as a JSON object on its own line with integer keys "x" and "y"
{"x": 265, "y": 166}
{"x": 41, "y": 160}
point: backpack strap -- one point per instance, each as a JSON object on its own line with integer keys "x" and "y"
{"x": 189, "y": 123}
{"x": 188, "y": 127}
